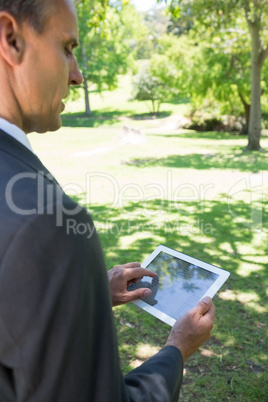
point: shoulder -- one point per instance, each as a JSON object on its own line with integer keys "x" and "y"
{"x": 45, "y": 241}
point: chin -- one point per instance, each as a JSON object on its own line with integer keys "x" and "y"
{"x": 51, "y": 126}
{"x": 57, "y": 126}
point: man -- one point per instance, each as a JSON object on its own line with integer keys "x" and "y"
{"x": 57, "y": 336}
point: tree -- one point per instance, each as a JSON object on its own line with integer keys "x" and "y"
{"x": 106, "y": 43}
{"x": 220, "y": 73}
{"x": 221, "y": 15}
{"x": 155, "y": 82}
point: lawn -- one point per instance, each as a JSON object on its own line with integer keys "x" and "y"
{"x": 195, "y": 192}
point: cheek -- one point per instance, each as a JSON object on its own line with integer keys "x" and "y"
{"x": 57, "y": 86}
{"x": 47, "y": 84}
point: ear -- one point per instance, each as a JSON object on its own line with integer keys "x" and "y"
{"x": 11, "y": 40}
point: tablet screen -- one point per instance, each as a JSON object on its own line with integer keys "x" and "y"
{"x": 178, "y": 286}
{"x": 181, "y": 282}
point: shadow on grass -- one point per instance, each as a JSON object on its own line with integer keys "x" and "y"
{"x": 219, "y": 234}
{"x": 107, "y": 117}
{"x": 96, "y": 119}
{"x": 208, "y": 135}
{"x": 151, "y": 116}
{"x": 233, "y": 159}
{"x": 178, "y": 223}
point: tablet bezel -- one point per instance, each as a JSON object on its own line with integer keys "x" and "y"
{"x": 213, "y": 289}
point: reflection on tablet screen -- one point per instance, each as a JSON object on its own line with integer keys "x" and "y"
{"x": 178, "y": 286}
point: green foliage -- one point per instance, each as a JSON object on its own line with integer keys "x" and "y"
{"x": 146, "y": 87}
{"x": 234, "y": 37}
{"x": 209, "y": 73}
{"x": 104, "y": 44}
{"x": 220, "y": 13}
{"x": 221, "y": 73}
{"x": 157, "y": 22}
{"x": 154, "y": 82}
{"x": 216, "y": 69}
{"x": 180, "y": 54}
{"x": 110, "y": 36}
{"x": 154, "y": 23}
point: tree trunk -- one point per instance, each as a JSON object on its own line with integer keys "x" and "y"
{"x": 247, "y": 114}
{"x": 254, "y": 132}
{"x": 84, "y": 61}
{"x": 158, "y": 106}
{"x": 153, "y": 106}
{"x": 87, "y": 104}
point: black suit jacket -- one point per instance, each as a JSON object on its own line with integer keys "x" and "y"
{"x": 57, "y": 335}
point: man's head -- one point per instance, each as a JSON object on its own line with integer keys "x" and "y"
{"x": 37, "y": 65}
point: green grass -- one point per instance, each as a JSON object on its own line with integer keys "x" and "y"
{"x": 198, "y": 193}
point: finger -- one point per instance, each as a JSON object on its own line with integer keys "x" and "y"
{"x": 203, "y": 305}
{"x": 139, "y": 294}
{"x": 139, "y": 273}
{"x": 208, "y": 318}
{"x": 210, "y": 314}
{"x": 152, "y": 274}
{"x": 132, "y": 265}
{"x": 136, "y": 280}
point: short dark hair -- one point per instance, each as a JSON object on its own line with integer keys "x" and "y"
{"x": 35, "y": 12}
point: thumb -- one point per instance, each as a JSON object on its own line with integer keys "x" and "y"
{"x": 204, "y": 305}
{"x": 139, "y": 294}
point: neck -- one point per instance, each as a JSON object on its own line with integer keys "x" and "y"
{"x": 9, "y": 106}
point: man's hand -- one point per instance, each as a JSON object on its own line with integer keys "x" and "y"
{"x": 121, "y": 276}
{"x": 193, "y": 328}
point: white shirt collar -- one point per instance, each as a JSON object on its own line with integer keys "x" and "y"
{"x": 15, "y": 132}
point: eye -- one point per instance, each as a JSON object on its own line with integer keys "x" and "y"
{"x": 68, "y": 51}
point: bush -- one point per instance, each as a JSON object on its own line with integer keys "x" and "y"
{"x": 155, "y": 82}
{"x": 147, "y": 87}
{"x": 204, "y": 120}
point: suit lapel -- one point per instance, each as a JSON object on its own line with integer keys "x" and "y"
{"x": 11, "y": 146}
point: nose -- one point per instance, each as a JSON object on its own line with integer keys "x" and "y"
{"x": 75, "y": 76}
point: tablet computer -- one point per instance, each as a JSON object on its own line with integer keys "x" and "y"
{"x": 181, "y": 282}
